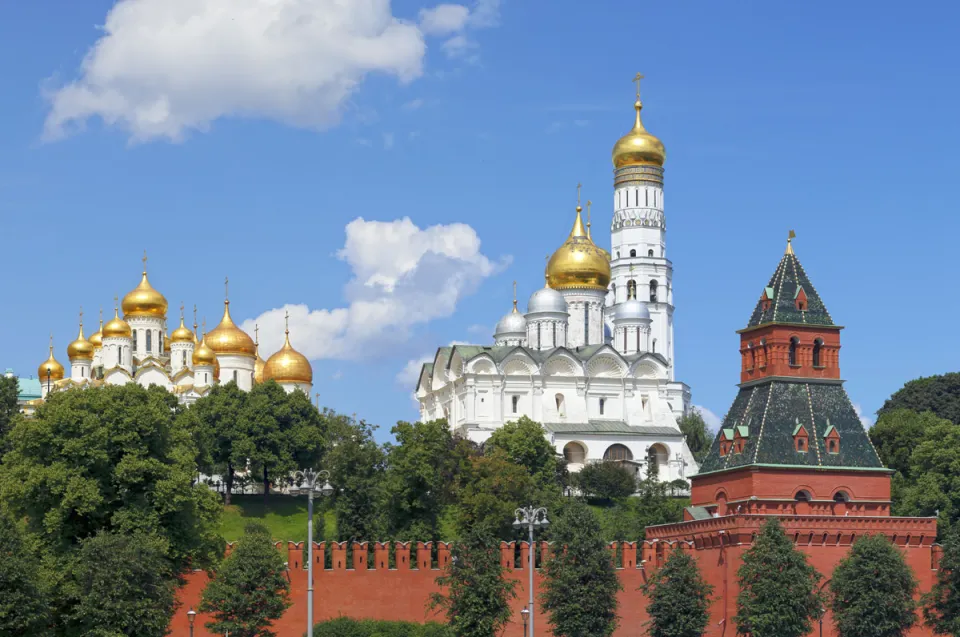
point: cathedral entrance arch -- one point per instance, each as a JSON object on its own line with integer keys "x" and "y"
{"x": 617, "y": 452}
{"x": 575, "y": 453}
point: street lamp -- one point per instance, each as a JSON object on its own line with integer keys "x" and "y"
{"x": 191, "y": 615}
{"x": 312, "y": 482}
{"x": 532, "y": 518}
{"x": 525, "y": 614}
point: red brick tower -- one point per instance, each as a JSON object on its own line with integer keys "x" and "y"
{"x": 791, "y": 446}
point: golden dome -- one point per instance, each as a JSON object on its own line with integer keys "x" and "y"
{"x": 166, "y": 344}
{"x": 116, "y": 327}
{"x": 97, "y": 337}
{"x": 81, "y": 349}
{"x": 203, "y": 355}
{"x": 638, "y": 147}
{"x": 51, "y": 367}
{"x": 143, "y": 300}
{"x": 183, "y": 334}
{"x": 288, "y": 365}
{"x": 227, "y": 338}
{"x": 578, "y": 263}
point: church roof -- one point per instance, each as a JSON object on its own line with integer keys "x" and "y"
{"x": 608, "y": 427}
{"x": 782, "y": 291}
{"x": 771, "y": 413}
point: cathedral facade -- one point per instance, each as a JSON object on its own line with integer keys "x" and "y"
{"x": 592, "y": 358}
{"x": 138, "y": 348}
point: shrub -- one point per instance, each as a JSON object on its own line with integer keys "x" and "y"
{"x": 348, "y": 627}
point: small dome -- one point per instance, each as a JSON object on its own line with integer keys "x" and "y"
{"x": 96, "y": 339}
{"x": 51, "y": 367}
{"x": 546, "y": 300}
{"x": 203, "y": 355}
{"x": 143, "y": 300}
{"x": 182, "y": 334}
{"x": 632, "y": 310}
{"x": 288, "y": 365}
{"x": 166, "y": 344}
{"x": 638, "y": 147}
{"x": 80, "y": 349}
{"x": 117, "y": 327}
{"x": 579, "y": 263}
{"x": 227, "y": 338}
{"x": 512, "y": 323}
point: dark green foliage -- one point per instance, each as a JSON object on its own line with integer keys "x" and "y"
{"x": 491, "y": 488}
{"x": 250, "y": 588}
{"x": 607, "y": 481}
{"x": 941, "y": 606}
{"x": 526, "y": 444}
{"x": 356, "y": 463}
{"x": 937, "y": 394}
{"x": 872, "y": 591}
{"x": 9, "y": 410}
{"x": 779, "y": 594}
{"x": 897, "y": 433}
{"x": 346, "y": 627}
{"x": 580, "y": 584}
{"x": 477, "y": 596}
{"x": 115, "y": 584}
{"x": 679, "y": 599}
{"x": 110, "y": 459}
{"x": 23, "y": 601}
{"x": 214, "y": 421}
{"x": 695, "y": 431}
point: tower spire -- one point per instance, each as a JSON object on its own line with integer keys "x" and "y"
{"x": 144, "y": 259}
{"x": 790, "y": 237}
{"x": 588, "y": 219}
{"x": 515, "y": 297}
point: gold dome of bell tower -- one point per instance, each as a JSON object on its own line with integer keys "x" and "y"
{"x": 638, "y": 147}
{"x": 579, "y": 263}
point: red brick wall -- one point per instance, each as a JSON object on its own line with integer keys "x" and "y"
{"x": 770, "y": 352}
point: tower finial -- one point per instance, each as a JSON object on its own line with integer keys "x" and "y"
{"x": 286, "y": 322}
{"x": 226, "y": 288}
{"x": 790, "y": 237}
{"x": 588, "y": 219}
{"x": 194, "y": 318}
{"x": 81, "y": 317}
{"x": 51, "y": 343}
{"x": 256, "y": 334}
{"x": 181, "y": 311}
{"x": 101, "y": 318}
{"x": 637, "y": 78}
{"x": 116, "y": 306}
{"x": 514, "y": 296}
{"x": 204, "y": 326}
{"x": 144, "y": 261}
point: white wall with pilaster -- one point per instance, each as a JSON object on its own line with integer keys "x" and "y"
{"x": 147, "y": 330}
{"x": 118, "y": 352}
{"x": 181, "y": 356}
{"x": 237, "y": 368}
{"x": 585, "y": 322}
{"x": 80, "y": 370}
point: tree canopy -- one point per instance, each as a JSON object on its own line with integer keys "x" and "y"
{"x": 941, "y": 606}
{"x": 696, "y": 433}
{"x": 356, "y": 464}
{"x": 938, "y": 394}
{"x": 607, "y": 481}
{"x": 222, "y": 444}
{"x": 23, "y": 598}
{"x": 679, "y": 598}
{"x": 9, "y": 409}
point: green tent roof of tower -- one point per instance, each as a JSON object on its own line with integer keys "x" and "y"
{"x": 772, "y": 411}
{"x": 782, "y": 290}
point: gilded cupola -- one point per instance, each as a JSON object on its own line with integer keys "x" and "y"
{"x": 638, "y": 147}
{"x": 143, "y": 300}
{"x": 288, "y": 365}
{"x": 50, "y": 369}
{"x": 182, "y": 334}
{"x": 204, "y": 355}
{"x": 116, "y": 327}
{"x": 97, "y": 337}
{"x": 578, "y": 263}
{"x": 80, "y": 349}
{"x": 227, "y": 338}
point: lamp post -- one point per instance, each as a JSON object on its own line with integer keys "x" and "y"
{"x": 525, "y": 614}
{"x": 191, "y": 615}
{"x": 313, "y": 482}
{"x": 532, "y": 518}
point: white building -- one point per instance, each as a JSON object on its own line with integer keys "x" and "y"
{"x": 137, "y": 349}
{"x": 592, "y": 358}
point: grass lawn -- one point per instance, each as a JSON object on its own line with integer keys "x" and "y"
{"x": 284, "y": 515}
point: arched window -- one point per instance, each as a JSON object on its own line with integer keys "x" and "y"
{"x": 631, "y": 289}
{"x": 841, "y": 496}
{"x": 516, "y": 403}
{"x": 561, "y": 408}
{"x": 653, "y": 291}
{"x": 149, "y": 341}
{"x": 160, "y": 338}
{"x": 184, "y": 358}
{"x": 753, "y": 356}
{"x": 832, "y": 446}
{"x": 653, "y": 347}
{"x": 794, "y": 341}
{"x": 574, "y": 453}
{"x": 817, "y": 347}
{"x": 633, "y": 253}
{"x": 602, "y": 404}
{"x": 617, "y": 452}
{"x": 649, "y": 253}
{"x": 134, "y": 340}
{"x": 802, "y": 496}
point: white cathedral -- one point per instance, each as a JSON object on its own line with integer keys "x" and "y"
{"x": 138, "y": 348}
{"x": 592, "y": 358}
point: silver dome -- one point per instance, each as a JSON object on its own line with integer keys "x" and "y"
{"x": 546, "y": 300}
{"x": 632, "y": 310}
{"x": 512, "y": 323}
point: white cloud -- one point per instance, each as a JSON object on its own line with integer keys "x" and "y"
{"x": 413, "y": 105}
{"x": 459, "y": 46}
{"x": 403, "y": 276}
{"x": 864, "y": 418}
{"x": 388, "y": 140}
{"x": 410, "y": 374}
{"x": 337, "y": 375}
{"x": 444, "y": 19}
{"x": 713, "y": 420}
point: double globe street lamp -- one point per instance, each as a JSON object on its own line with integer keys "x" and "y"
{"x": 311, "y": 482}
{"x": 532, "y": 518}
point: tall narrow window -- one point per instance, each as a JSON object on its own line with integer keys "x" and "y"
{"x": 602, "y": 402}
{"x": 160, "y": 338}
{"x": 149, "y": 341}
{"x": 653, "y": 291}
{"x": 538, "y": 336}
{"x": 631, "y": 289}
{"x": 638, "y": 340}
{"x": 555, "y": 343}
{"x": 234, "y": 375}
{"x": 586, "y": 323}
{"x": 792, "y": 355}
{"x": 646, "y": 197}
{"x": 184, "y": 358}
{"x": 561, "y": 409}
{"x": 817, "y": 347}
{"x": 134, "y": 340}
{"x": 83, "y": 373}
{"x": 649, "y": 253}
{"x": 516, "y": 403}
{"x": 654, "y": 347}
{"x": 624, "y": 339}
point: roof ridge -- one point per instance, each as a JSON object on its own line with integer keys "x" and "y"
{"x": 796, "y": 278}
{"x": 763, "y": 421}
{"x": 813, "y": 423}
{"x": 782, "y": 272}
{"x": 813, "y": 287}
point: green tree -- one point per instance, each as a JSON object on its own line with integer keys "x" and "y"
{"x": 490, "y": 491}
{"x": 607, "y": 481}
{"x": 941, "y": 606}
{"x": 779, "y": 594}
{"x": 115, "y": 584}
{"x": 525, "y": 443}
{"x": 938, "y": 394}
{"x": 872, "y": 591}
{"x": 695, "y": 431}
{"x": 222, "y": 443}
{"x": 9, "y": 410}
{"x": 356, "y": 464}
{"x": 580, "y": 584}
{"x": 679, "y": 603}
{"x": 420, "y": 478}
{"x": 898, "y": 432}
{"x": 654, "y": 505}
{"x": 111, "y": 459}
{"x": 477, "y": 596}
{"x": 250, "y": 588}
{"x": 23, "y": 600}
{"x": 934, "y": 483}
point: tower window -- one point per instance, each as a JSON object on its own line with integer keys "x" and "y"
{"x": 149, "y": 341}
{"x": 538, "y": 336}
{"x": 602, "y": 403}
{"x": 631, "y": 289}
{"x": 561, "y": 408}
{"x": 792, "y": 355}
{"x": 586, "y": 324}
{"x": 653, "y": 291}
{"x": 633, "y": 253}
{"x": 653, "y": 349}
{"x": 234, "y": 375}
{"x": 134, "y": 340}
{"x": 649, "y": 253}
{"x": 516, "y": 403}
{"x": 555, "y": 344}
{"x": 817, "y": 347}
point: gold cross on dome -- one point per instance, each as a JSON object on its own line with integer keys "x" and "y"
{"x": 256, "y": 333}
{"x": 144, "y": 259}
{"x": 579, "y": 186}
{"x": 286, "y": 321}
{"x": 637, "y": 79}
{"x": 115, "y": 300}
{"x": 226, "y": 287}
{"x": 181, "y": 310}
{"x": 81, "y": 315}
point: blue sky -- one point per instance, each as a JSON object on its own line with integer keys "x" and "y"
{"x": 256, "y": 145}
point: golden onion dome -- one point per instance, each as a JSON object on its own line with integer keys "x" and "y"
{"x": 166, "y": 344}
{"x": 288, "y": 365}
{"x": 50, "y": 369}
{"x": 203, "y": 355}
{"x": 80, "y": 349}
{"x": 143, "y": 300}
{"x": 578, "y": 263}
{"x": 183, "y": 334}
{"x": 116, "y": 327}
{"x": 638, "y": 147}
{"x": 227, "y": 338}
{"x": 97, "y": 337}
